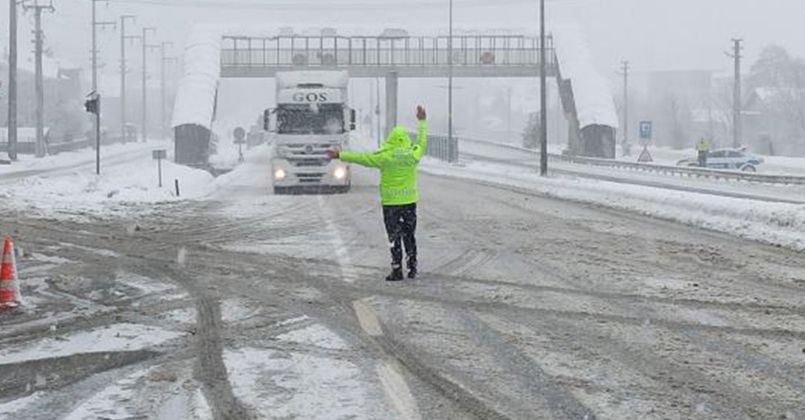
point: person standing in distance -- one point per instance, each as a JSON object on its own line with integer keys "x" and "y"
{"x": 397, "y": 160}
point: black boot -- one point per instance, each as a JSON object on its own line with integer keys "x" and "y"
{"x": 396, "y": 274}
{"x": 412, "y": 272}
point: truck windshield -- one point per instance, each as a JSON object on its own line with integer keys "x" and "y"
{"x": 302, "y": 119}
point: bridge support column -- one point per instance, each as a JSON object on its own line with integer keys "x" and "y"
{"x": 392, "y": 81}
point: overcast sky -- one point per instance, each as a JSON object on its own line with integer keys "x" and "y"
{"x": 653, "y": 34}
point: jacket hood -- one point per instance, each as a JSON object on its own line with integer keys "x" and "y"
{"x": 398, "y": 138}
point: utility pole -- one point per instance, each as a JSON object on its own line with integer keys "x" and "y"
{"x": 162, "y": 86}
{"x": 12, "y": 80}
{"x": 543, "y": 95}
{"x": 508, "y": 114}
{"x": 377, "y": 113}
{"x": 625, "y": 70}
{"x": 144, "y": 116}
{"x": 453, "y": 153}
{"x": 124, "y": 70}
{"x": 736, "y": 95}
{"x": 40, "y": 89}
{"x": 94, "y": 53}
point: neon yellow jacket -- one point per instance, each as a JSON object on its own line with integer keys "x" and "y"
{"x": 397, "y": 161}
{"x": 702, "y": 146}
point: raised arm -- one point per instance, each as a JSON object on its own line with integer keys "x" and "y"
{"x": 421, "y": 145}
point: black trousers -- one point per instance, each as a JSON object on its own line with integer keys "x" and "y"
{"x": 400, "y": 224}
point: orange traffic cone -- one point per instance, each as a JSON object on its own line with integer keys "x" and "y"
{"x": 9, "y": 286}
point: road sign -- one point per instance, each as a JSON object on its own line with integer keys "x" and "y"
{"x": 240, "y": 140}
{"x": 240, "y": 135}
{"x": 645, "y": 131}
{"x": 645, "y": 156}
{"x": 158, "y": 155}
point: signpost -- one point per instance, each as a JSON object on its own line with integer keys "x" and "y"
{"x": 93, "y": 106}
{"x": 645, "y": 140}
{"x": 240, "y": 140}
{"x": 158, "y": 155}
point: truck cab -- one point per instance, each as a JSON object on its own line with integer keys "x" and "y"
{"x": 311, "y": 116}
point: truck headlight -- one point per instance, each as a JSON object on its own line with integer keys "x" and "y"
{"x": 340, "y": 172}
{"x": 279, "y": 174}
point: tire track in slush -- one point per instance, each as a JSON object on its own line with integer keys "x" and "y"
{"x": 209, "y": 367}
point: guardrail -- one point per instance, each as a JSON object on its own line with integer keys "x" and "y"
{"x": 662, "y": 169}
{"x": 28, "y": 148}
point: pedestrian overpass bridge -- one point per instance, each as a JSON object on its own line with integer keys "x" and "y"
{"x": 211, "y": 55}
{"x": 373, "y": 56}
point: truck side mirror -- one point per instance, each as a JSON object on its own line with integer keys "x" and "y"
{"x": 267, "y": 126}
{"x": 352, "y": 119}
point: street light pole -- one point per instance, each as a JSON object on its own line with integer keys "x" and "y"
{"x": 543, "y": 99}
{"x": 95, "y": 25}
{"x": 164, "y": 60}
{"x": 625, "y": 129}
{"x": 451, "y": 145}
{"x": 12, "y": 80}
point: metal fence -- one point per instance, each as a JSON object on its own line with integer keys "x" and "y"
{"x": 440, "y": 147}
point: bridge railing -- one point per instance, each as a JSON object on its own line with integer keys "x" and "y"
{"x": 297, "y": 51}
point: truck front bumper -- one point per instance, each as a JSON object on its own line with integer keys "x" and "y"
{"x": 335, "y": 174}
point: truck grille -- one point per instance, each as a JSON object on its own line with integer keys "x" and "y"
{"x": 307, "y": 162}
{"x": 310, "y": 178}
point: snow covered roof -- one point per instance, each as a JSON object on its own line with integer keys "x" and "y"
{"x": 594, "y": 102}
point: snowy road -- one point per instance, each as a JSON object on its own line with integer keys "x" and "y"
{"x": 249, "y": 305}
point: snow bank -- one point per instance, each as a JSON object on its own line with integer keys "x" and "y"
{"x": 593, "y": 94}
{"x": 67, "y": 184}
{"x": 774, "y": 223}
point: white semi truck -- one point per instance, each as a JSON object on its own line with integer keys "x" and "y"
{"x": 311, "y": 116}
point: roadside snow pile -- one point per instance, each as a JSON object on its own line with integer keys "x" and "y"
{"x": 71, "y": 185}
{"x": 774, "y": 223}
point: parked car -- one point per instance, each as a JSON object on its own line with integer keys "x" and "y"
{"x": 728, "y": 159}
{"x": 394, "y": 33}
